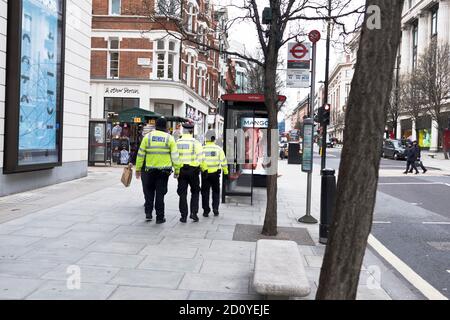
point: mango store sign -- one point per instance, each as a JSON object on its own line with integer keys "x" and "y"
{"x": 121, "y": 91}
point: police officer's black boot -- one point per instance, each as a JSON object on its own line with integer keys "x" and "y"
{"x": 206, "y": 214}
{"x": 183, "y": 219}
{"x": 148, "y": 217}
{"x": 216, "y": 213}
{"x": 194, "y": 217}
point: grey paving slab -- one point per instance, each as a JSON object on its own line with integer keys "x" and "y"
{"x": 219, "y": 235}
{"x": 56, "y": 255}
{"x": 237, "y": 255}
{"x": 46, "y": 223}
{"x": 230, "y": 245}
{"x": 171, "y": 264}
{"x": 16, "y": 240}
{"x": 13, "y": 252}
{"x": 25, "y": 269}
{"x": 137, "y": 238}
{"x": 214, "y": 283}
{"x": 88, "y": 274}
{"x": 225, "y": 228}
{"x": 58, "y": 290}
{"x": 63, "y": 242}
{"x": 147, "y": 278}
{"x": 365, "y": 293}
{"x": 202, "y": 295}
{"x": 73, "y": 218}
{"x": 7, "y": 229}
{"x": 138, "y": 293}
{"x": 115, "y": 247}
{"x": 102, "y": 227}
{"x": 314, "y": 261}
{"x": 41, "y": 232}
{"x": 16, "y": 288}
{"x": 230, "y": 268}
{"x": 87, "y": 235}
{"x": 143, "y": 229}
{"x": 190, "y": 242}
{"x": 196, "y": 234}
{"x": 123, "y": 221}
{"x": 111, "y": 260}
{"x": 180, "y": 251}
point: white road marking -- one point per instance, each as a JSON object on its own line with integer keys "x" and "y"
{"x": 417, "y": 281}
{"x": 382, "y": 222}
{"x": 448, "y": 271}
{"x": 439, "y": 223}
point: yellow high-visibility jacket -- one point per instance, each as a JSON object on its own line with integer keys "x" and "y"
{"x": 214, "y": 158}
{"x": 190, "y": 152}
{"x": 159, "y": 150}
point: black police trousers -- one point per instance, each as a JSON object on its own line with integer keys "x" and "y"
{"x": 210, "y": 181}
{"x": 154, "y": 182}
{"x": 188, "y": 177}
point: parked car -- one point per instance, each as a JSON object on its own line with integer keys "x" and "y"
{"x": 393, "y": 149}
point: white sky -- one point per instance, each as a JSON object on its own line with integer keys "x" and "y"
{"x": 245, "y": 32}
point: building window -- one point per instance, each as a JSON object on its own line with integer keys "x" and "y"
{"x": 161, "y": 63}
{"x": 114, "y": 106}
{"x": 190, "y": 18}
{"x": 201, "y": 81}
{"x": 434, "y": 21}
{"x": 415, "y": 35}
{"x": 166, "y": 59}
{"x": 190, "y": 65}
{"x": 113, "y": 58}
{"x": 168, "y": 7}
{"x": 114, "y": 7}
{"x": 165, "y": 109}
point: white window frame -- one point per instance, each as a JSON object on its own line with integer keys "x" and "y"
{"x": 166, "y": 52}
{"x": 110, "y": 8}
{"x": 110, "y": 50}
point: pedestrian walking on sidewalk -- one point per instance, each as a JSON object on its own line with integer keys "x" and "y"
{"x": 188, "y": 173}
{"x": 159, "y": 151}
{"x": 215, "y": 163}
{"x": 411, "y": 157}
{"x": 419, "y": 158}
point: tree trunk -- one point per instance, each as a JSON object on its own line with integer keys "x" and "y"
{"x": 271, "y": 101}
{"x": 357, "y": 183}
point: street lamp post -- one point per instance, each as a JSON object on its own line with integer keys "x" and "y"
{"x": 326, "y": 85}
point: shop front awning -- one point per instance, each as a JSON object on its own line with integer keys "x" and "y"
{"x": 135, "y": 114}
{"x": 176, "y": 119}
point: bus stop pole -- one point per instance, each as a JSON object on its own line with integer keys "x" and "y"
{"x": 309, "y": 126}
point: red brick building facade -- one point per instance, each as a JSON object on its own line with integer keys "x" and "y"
{"x": 139, "y": 59}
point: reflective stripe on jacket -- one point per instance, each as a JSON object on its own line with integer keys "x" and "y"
{"x": 190, "y": 152}
{"x": 214, "y": 158}
{"x": 159, "y": 150}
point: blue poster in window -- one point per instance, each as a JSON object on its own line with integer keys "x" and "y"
{"x": 40, "y": 81}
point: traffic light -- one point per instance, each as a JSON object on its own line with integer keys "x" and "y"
{"x": 325, "y": 117}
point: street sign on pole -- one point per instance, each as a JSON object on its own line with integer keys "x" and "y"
{"x": 299, "y": 56}
{"x": 308, "y": 143}
{"x": 308, "y": 166}
{"x": 314, "y": 36}
{"x": 298, "y": 78}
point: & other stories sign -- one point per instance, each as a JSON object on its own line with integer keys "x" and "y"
{"x": 121, "y": 91}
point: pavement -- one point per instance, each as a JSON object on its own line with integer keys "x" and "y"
{"x": 92, "y": 230}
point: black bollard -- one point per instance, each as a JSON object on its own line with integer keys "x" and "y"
{"x": 326, "y": 203}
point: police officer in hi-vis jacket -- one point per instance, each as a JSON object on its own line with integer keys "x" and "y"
{"x": 215, "y": 163}
{"x": 159, "y": 151}
{"x": 188, "y": 173}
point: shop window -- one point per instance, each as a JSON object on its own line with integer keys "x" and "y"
{"x": 115, "y": 7}
{"x": 165, "y": 109}
{"x": 114, "y": 106}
